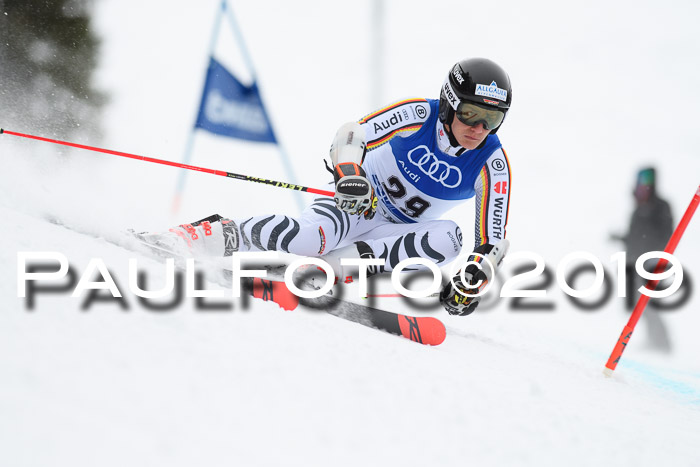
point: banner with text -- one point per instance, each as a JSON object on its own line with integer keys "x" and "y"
{"x": 229, "y": 108}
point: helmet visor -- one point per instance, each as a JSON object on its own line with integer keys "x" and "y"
{"x": 472, "y": 114}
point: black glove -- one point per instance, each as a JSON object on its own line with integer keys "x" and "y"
{"x": 460, "y": 300}
{"x": 354, "y": 194}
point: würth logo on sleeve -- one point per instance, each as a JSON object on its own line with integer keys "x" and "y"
{"x": 501, "y": 188}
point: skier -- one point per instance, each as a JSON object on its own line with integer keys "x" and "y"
{"x": 396, "y": 172}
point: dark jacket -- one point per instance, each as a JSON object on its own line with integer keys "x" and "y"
{"x": 650, "y": 228}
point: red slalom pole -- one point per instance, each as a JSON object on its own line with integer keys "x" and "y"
{"x": 246, "y": 178}
{"x": 624, "y": 338}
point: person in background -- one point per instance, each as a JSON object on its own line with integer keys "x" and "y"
{"x": 650, "y": 228}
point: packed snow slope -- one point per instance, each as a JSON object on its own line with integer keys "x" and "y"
{"x": 596, "y": 92}
{"x": 263, "y": 386}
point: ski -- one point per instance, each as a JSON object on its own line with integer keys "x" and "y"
{"x": 424, "y": 330}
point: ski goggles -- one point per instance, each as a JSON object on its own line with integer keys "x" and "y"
{"x": 472, "y": 114}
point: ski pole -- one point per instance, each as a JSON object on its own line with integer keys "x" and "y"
{"x": 247, "y": 178}
{"x": 624, "y": 338}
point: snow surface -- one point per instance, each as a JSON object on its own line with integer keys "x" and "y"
{"x": 600, "y": 89}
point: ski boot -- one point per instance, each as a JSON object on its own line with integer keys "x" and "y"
{"x": 214, "y": 236}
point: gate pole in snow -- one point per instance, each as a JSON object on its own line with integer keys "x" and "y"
{"x": 624, "y": 338}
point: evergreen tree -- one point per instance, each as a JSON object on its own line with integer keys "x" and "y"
{"x": 48, "y": 53}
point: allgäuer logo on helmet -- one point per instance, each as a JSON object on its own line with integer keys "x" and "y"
{"x": 491, "y": 90}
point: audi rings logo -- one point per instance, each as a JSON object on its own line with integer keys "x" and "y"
{"x": 447, "y": 175}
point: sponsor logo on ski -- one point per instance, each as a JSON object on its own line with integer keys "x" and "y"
{"x": 491, "y": 90}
